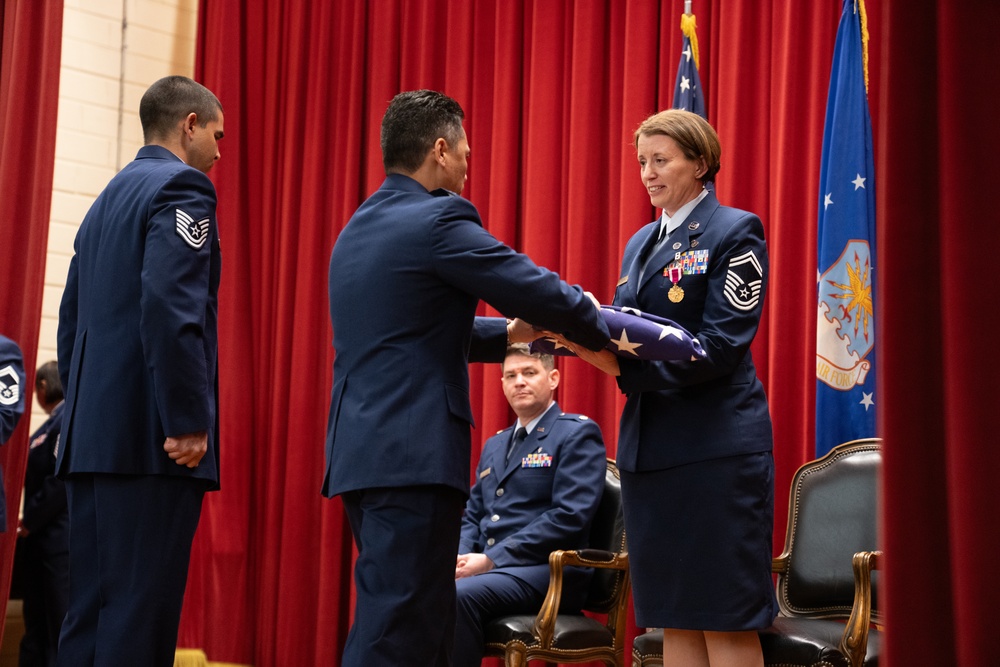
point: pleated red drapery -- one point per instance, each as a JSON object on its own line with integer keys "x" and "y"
{"x": 30, "y": 47}
{"x": 938, "y": 244}
{"x": 553, "y": 91}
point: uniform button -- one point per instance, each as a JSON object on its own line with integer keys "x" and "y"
{"x": 490, "y": 542}
{"x": 500, "y": 492}
{"x": 495, "y": 518}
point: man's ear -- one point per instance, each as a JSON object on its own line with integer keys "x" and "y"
{"x": 554, "y": 378}
{"x": 189, "y": 122}
{"x": 440, "y": 148}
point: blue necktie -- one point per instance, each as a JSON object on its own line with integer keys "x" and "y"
{"x": 519, "y": 435}
{"x": 661, "y": 238}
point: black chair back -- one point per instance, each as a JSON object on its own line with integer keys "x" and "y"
{"x": 832, "y": 516}
{"x": 607, "y": 533}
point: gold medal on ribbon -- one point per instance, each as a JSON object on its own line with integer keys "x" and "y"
{"x": 674, "y": 272}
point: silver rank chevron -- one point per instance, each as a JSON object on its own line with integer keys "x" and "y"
{"x": 194, "y": 233}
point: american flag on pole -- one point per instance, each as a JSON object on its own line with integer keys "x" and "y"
{"x": 688, "y": 94}
{"x": 638, "y": 335}
{"x": 845, "y": 322}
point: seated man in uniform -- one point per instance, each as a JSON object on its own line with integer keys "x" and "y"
{"x": 537, "y": 488}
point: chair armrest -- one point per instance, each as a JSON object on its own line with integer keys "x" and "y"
{"x": 779, "y": 564}
{"x": 545, "y": 622}
{"x": 854, "y": 643}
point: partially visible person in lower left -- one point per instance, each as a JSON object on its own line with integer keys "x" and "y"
{"x": 11, "y": 402}
{"x": 42, "y": 560}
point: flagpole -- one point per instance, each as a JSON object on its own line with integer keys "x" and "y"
{"x": 687, "y": 7}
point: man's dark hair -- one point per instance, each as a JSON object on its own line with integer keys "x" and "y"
{"x": 49, "y": 372}
{"x": 170, "y": 100}
{"x": 524, "y": 350}
{"x": 412, "y": 123}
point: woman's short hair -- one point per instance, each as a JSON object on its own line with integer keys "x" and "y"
{"x": 694, "y": 135}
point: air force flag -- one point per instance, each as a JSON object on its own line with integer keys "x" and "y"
{"x": 845, "y": 318}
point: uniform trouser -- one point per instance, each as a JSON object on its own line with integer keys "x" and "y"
{"x": 46, "y": 595}
{"x": 481, "y": 599}
{"x": 407, "y": 541}
{"x": 130, "y": 544}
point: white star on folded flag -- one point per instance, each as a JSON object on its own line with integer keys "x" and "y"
{"x": 624, "y": 345}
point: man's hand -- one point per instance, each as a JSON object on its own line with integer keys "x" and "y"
{"x": 187, "y": 450}
{"x": 519, "y": 331}
{"x": 470, "y": 564}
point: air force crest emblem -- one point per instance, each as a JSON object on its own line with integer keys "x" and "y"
{"x": 744, "y": 281}
{"x": 10, "y": 390}
{"x": 845, "y": 322}
{"x": 194, "y": 233}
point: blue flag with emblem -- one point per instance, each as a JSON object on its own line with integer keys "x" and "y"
{"x": 638, "y": 335}
{"x": 845, "y": 322}
{"x": 687, "y": 89}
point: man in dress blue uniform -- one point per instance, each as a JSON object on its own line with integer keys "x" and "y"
{"x": 138, "y": 349}
{"x": 537, "y": 490}
{"x": 11, "y": 403}
{"x": 406, "y": 276}
{"x": 42, "y": 559}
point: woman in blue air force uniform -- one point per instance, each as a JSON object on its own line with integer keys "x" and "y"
{"x": 695, "y": 441}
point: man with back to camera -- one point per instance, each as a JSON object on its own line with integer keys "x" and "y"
{"x": 537, "y": 490}
{"x": 138, "y": 350}
{"x": 406, "y": 275}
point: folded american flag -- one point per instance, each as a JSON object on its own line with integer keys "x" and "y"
{"x": 638, "y": 335}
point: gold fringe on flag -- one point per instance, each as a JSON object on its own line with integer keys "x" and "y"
{"x": 687, "y": 27}
{"x": 859, "y": 6}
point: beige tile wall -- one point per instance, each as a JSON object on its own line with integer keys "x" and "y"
{"x": 111, "y": 51}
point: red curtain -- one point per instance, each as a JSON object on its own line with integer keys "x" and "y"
{"x": 30, "y": 47}
{"x": 553, "y": 91}
{"x": 938, "y": 240}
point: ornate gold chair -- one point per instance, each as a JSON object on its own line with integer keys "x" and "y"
{"x": 571, "y": 638}
{"x": 825, "y": 570}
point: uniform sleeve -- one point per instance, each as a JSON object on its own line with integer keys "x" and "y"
{"x": 576, "y": 492}
{"x": 68, "y": 309}
{"x": 468, "y": 256}
{"x": 175, "y": 297}
{"x": 469, "y": 541}
{"x": 732, "y": 312}
{"x": 489, "y": 340}
{"x": 11, "y": 387}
